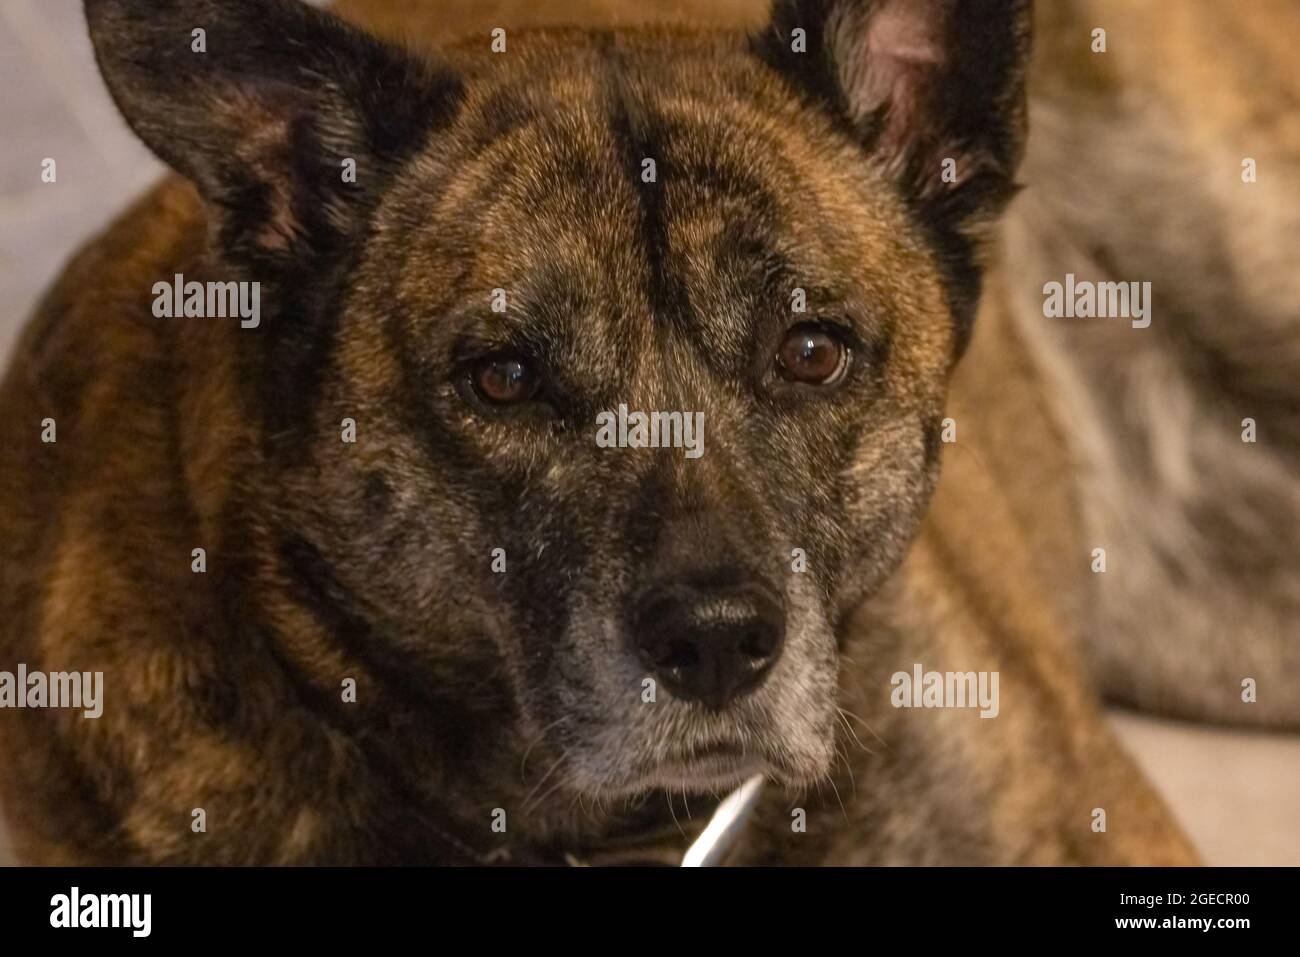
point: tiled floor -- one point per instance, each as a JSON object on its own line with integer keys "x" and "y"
{"x": 1238, "y": 793}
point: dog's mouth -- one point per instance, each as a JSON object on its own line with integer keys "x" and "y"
{"x": 710, "y": 769}
{"x": 689, "y": 769}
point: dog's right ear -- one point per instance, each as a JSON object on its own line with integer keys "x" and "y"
{"x": 262, "y": 103}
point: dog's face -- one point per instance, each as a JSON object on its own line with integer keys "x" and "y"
{"x": 757, "y": 235}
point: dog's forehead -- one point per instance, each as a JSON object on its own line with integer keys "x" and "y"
{"x": 625, "y": 195}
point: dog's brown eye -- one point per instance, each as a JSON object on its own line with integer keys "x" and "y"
{"x": 811, "y": 354}
{"x": 504, "y": 379}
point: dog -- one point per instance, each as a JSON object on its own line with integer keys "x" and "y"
{"x": 365, "y": 588}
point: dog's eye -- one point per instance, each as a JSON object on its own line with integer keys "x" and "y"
{"x": 504, "y": 379}
{"x": 811, "y": 354}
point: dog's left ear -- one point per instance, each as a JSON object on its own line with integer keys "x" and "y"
{"x": 264, "y": 104}
{"x": 934, "y": 89}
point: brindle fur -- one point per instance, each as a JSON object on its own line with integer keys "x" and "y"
{"x": 371, "y": 561}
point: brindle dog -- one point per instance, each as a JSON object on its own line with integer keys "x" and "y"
{"x": 473, "y": 615}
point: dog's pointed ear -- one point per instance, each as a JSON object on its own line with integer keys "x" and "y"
{"x": 285, "y": 117}
{"x": 934, "y": 89}
{"x": 921, "y": 81}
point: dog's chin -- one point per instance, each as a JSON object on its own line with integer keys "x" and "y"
{"x": 710, "y": 772}
{"x": 713, "y": 775}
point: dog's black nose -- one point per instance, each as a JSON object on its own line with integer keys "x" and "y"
{"x": 711, "y": 643}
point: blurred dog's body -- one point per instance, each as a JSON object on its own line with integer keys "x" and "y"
{"x": 1141, "y": 167}
{"x": 1071, "y": 435}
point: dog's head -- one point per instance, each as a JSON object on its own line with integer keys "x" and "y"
{"x": 478, "y": 256}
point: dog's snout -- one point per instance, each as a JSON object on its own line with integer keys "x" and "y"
{"x": 706, "y": 642}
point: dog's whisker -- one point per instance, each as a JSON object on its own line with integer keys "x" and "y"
{"x": 528, "y": 801}
{"x": 853, "y": 734}
{"x": 673, "y": 813}
{"x": 523, "y": 762}
{"x": 860, "y": 720}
